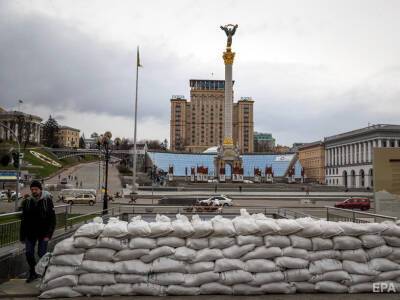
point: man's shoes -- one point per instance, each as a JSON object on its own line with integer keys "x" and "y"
{"x": 32, "y": 277}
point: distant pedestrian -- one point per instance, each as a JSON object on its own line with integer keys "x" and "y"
{"x": 80, "y": 184}
{"x": 59, "y": 177}
{"x": 76, "y": 184}
{"x": 76, "y": 178}
{"x": 215, "y": 188}
{"x": 240, "y": 188}
{"x": 38, "y": 222}
{"x": 69, "y": 177}
{"x": 133, "y": 199}
{"x": 9, "y": 195}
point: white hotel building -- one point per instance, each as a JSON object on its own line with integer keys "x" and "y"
{"x": 349, "y": 155}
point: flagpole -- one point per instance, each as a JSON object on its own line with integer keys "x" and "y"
{"x": 134, "y": 130}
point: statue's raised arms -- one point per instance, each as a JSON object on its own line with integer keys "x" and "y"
{"x": 230, "y": 30}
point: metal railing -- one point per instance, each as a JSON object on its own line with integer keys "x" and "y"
{"x": 351, "y": 215}
{"x": 10, "y": 230}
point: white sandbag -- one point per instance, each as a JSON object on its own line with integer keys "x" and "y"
{"x": 319, "y": 244}
{"x": 92, "y": 229}
{"x": 142, "y": 243}
{"x": 278, "y": 288}
{"x": 161, "y": 227}
{"x": 66, "y": 280}
{"x": 67, "y": 247}
{"x": 245, "y": 289}
{"x": 317, "y": 255}
{"x": 222, "y": 226}
{"x": 297, "y": 275}
{"x": 392, "y": 241}
{"x": 235, "y": 277}
{"x": 291, "y": 262}
{"x": 200, "y": 278}
{"x": 148, "y": 289}
{"x": 383, "y": 265}
{"x": 346, "y": 243}
{"x": 118, "y": 289}
{"x": 288, "y": 226}
{"x": 263, "y": 252}
{"x": 236, "y": 251}
{"x": 112, "y": 243}
{"x": 181, "y": 226}
{"x": 295, "y": 252}
{"x": 60, "y": 292}
{"x": 67, "y": 259}
{"x": 330, "y": 287}
{"x": 221, "y": 242}
{"x": 178, "y": 290}
{"x": 115, "y": 228}
{"x": 325, "y": 265}
{"x": 197, "y": 244}
{"x": 366, "y": 287}
{"x": 337, "y": 276}
{"x": 304, "y": 287}
{"x": 42, "y": 264}
{"x": 100, "y": 254}
{"x": 330, "y": 229}
{"x": 84, "y": 242}
{"x": 92, "y": 266}
{"x": 184, "y": 254}
{"x": 376, "y": 228}
{"x": 280, "y": 241}
{"x": 130, "y": 278}
{"x": 168, "y": 265}
{"x": 245, "y": 224}
{"x": 96, "y": 279}
{"x": 89, "y": 290}
{"x": 300, "y": 242}
{"x": 156, "y": 253}
{"x": 227, "y": 264}
{"x": 167, "y": 278}
{"x": 371, "y": 240}
{"x": 200, "y": 267}
{"x": 260, "y": 266}
{"x": 171, "y": 241}
{"x": 394, "y": 254}
{"x": 208, "y": 255}
{"x": 358, "y": 255}
{"x": 201, "y": 228}
{"x": 353, "y": 229}
{"x": 357, "y": 278}
{"x": 311, "y": 227}
{"x": 392, "y": 229}
{"x": 132, "y": 267}
{"x": 383, "y": 251}
{"x": 249, "y": 239}
{"x": 138, "y": 227}
{"x": 267, "y": 277}
{"x": 130, "y": 254}
{"x": 265, "y": 225}
{"x": 353, "y": 267}
{"x": 215, "y": 288}
{"x": 53, "y": 272}
{"x": 388, "y": 275}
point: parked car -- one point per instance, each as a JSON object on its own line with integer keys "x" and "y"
{"x": 217, "y": 200}
{"x": 354, "y": 203}
{"x": 86, "y": 198}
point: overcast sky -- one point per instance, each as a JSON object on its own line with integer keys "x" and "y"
{"x": 314, "y": 68}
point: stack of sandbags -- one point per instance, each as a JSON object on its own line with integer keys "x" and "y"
{"x": 251, "y": 254}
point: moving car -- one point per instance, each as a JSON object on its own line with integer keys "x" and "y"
{"x": 217, "y": 200}
{"x": 85, "y": 198}
{"x": 354, "y": 203}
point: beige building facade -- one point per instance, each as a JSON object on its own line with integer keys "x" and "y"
{"x": 312, "y": 159}
{"x": 68, "y": 137}
{"x": 198, "y": 124}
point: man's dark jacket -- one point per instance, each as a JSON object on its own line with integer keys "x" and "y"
{"x": 38, "y": 218}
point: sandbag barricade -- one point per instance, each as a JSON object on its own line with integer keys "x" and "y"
{"x": 249, "y": 255}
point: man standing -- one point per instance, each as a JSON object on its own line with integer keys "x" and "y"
{"x": 38, "y": 221}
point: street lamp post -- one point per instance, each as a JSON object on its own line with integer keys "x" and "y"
{"x": 18, "y": 166}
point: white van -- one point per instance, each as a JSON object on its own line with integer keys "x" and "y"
{"x": 74, "y": 192}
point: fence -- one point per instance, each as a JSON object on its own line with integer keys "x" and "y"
{"x": 347, "y": 215}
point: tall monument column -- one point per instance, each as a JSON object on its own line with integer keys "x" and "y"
{"x": 228, "y": 57}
